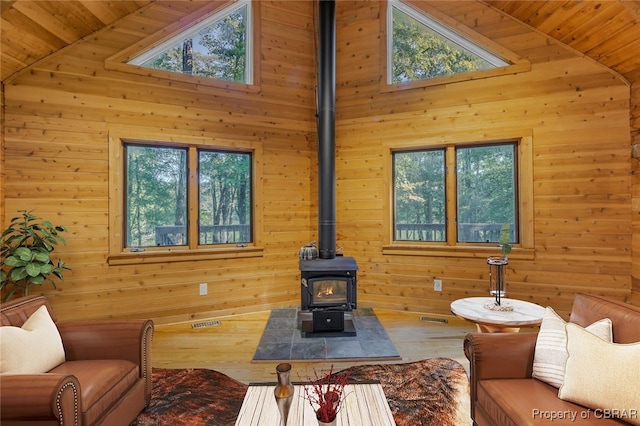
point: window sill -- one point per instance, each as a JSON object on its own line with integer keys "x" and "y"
{"x": 519, "y": 67}
{"x": 212, "y": 83}
{"x": 182, "y": 255}
{"x": 471, "y": 251}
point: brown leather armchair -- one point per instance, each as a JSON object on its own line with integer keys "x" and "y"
{"x": 105, "y": 380}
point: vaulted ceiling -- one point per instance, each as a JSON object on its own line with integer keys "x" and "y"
{"x": 33, "y": 29}
{"x": 606, "y": 30}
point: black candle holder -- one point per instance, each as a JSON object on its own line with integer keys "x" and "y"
{"x": 497, "y": 272}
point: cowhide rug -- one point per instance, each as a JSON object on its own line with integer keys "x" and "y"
{"x": 434, "y": 391}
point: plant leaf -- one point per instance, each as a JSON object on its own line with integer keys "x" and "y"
{"x": 46, "y": 269}
{"x": 23, "y": 253}
{"x": 41, "y": 257}
{"x": 18, "y": 274}
{"x": 33, "y": 269}
{"x": 14, "y": 261}
{"x": 37, "y": 280}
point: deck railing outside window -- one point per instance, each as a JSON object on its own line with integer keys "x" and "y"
{"x": 209, "y": 234}
{"x": 468, "y": 232}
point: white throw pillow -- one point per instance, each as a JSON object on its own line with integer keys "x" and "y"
{"x": 603, "y": 376}
{"x": 36, "y": 347}
{"x": 550, "y": 354}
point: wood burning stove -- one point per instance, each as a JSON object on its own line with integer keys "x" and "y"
{"x": 328, "y": 294}
{"x": 328, "y": 283}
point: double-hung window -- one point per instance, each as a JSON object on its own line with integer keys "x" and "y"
{"x": 456, "y": 195}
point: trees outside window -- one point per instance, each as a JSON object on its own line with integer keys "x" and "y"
{"x": 419, "y": 193}
{"x": 158, "y": 196}
{"x": 218, "y": 48}
{"x": 484, "y": 188}
{"x": 224, "y": 186}
{"x": 486, "y": 182}
{"x": 420, "y": 47}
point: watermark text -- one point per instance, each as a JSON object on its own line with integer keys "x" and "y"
{"x": 587, "y": 413}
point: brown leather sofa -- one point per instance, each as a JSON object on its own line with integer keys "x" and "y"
{"x": 503, "y": 391}
{"x": 106, "y": 379}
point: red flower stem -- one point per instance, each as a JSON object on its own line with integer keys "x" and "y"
{"x": 326, "y": 392}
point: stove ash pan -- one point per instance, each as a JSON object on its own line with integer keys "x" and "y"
{"x": 328, "y": 284}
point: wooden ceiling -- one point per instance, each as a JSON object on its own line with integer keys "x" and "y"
{"x": 33, "y": 29}
{"x": 605, "y": 30}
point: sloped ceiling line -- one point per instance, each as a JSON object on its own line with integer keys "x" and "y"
{"x": 608, "y": 32}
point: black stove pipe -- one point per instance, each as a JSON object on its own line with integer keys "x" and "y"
{"x": 326, "y": 130}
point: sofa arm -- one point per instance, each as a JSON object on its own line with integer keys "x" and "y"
{"x": 110, "y": 339}
{"x": 54, "y": 397}
{"x": 500, "y": 355}
{"x": 497, "y": 356}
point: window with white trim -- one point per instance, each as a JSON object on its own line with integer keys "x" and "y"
{"x": 219, "y": 47}
{"x": 420, "y": 47}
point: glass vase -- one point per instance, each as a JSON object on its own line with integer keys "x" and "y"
{"x": 283, "y": 391}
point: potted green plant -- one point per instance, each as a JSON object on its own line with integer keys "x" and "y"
{"x": 505, "y": 245}
{"x": 25, "y": 254}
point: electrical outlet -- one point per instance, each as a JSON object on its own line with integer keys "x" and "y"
{"x": 437, "y": 285}
{"x": 204, "y": 289}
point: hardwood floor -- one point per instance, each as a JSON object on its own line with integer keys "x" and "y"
{"x": 228, "y": 347}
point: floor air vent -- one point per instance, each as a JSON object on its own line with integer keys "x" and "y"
{"x": 205, "y": 324}
{"x": 434, "y": 319}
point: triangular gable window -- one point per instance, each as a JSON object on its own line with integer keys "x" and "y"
{"x": 419, "y": 48}
{"x": 218, "y": 47}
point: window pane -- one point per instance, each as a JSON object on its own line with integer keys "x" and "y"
{"x": 218, "y": 51}
{"x": 225, "y": 197}
{"x": 156, "y": 196}
{"x": 486, "y": 192}
{"x": 419, "y": 196}
{"x": 420, "y": 53}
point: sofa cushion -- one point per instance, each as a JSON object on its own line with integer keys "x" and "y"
{"x": 602, "y": 375}
{"x": 36, "y": 347}
{"x": 550, "y": 354}
{"x": 102, "y": 383}
{"x": 521, "y": 402}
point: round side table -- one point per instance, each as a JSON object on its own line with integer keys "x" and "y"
{"x": 496, "y": 321}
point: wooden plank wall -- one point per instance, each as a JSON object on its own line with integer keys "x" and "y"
{"x": 58, "y": 115}
{"x": 577, "y": 113}
{"x": 58, "y": 118}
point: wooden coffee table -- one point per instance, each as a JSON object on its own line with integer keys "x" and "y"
{"x": 491, "y": 321}
{"x": 363, "y": 404}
